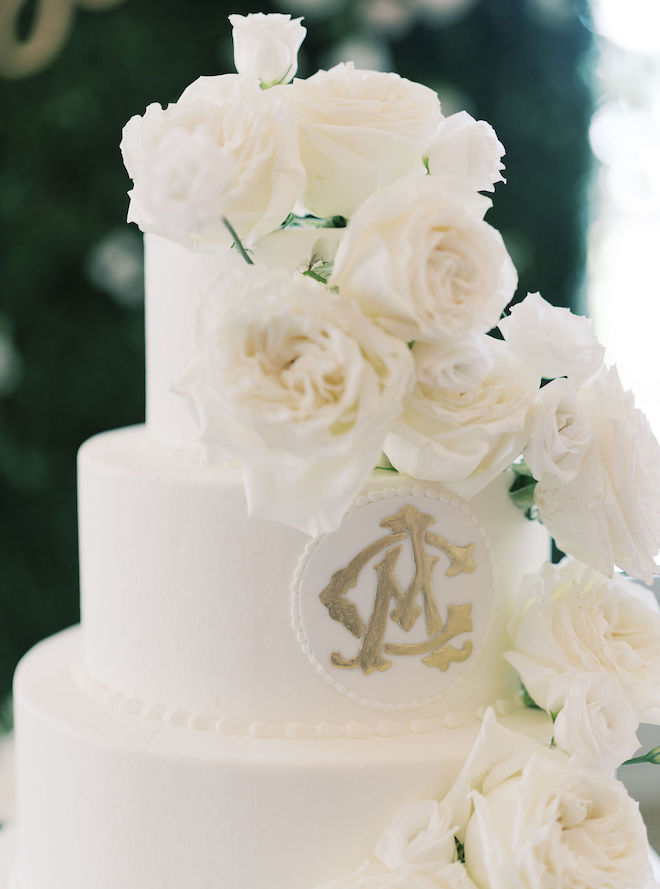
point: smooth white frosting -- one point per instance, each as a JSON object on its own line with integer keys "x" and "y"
{"x": 108, "y": 800}
{"x": 175, "y": 279}
{"x": 186, "y": 599}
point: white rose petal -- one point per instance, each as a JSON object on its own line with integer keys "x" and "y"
{"x": 572, "y": 618}
{"x": 418, "y": 258}
{"x": 465, "y": 438}
{"x": 609, "y": 514}
{"x": 468, "y": 150}
{"x": 533, "y": 819}
{"x": 596, "y": 723}
{"x": 457, "y": 365}
{"x": 560, "y": 433}
{"x": 225, "y": 149}
{"x": 360, "y": 131}
{"x": 266, "y": 46}
{"x": 297, "y": 249}
{"x": 553, "y": 341}
{"x": 299, "y": 386}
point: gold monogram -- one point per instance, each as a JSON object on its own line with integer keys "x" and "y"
{"x": 409, "y": 526}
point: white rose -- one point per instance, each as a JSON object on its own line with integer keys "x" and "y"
{"x": 465, "y": 438}
{"x": 469, "y": 150}
{"x": 609, "y": 514}
{"x": 572, "y": 618}
{"x": 560, "y": 433}
{"x": 416, "y": 851}
{"x": 419, "y": 259}
{"x": 553, "y": 341}
{"x": 360, "y": 131}
{"x": 532, "y": 819}
{"x": 299, "y": 386}
{"x": 457, "y": 365}
{"x": 225, "y": 149}
{"x": 596, "y": 723}
{"x": 266, "y": 46}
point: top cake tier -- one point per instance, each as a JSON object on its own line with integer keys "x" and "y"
{"x": 175, "y": 278}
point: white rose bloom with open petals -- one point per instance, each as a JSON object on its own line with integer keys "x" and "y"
{"x": 609, "y": 513}
{"x": 420, "y": 260}
{"x": 469, "y": 150}
{"x": 297, "y": 385}
{"x": 416, "y": 851}
{"x": 572, "y": 618}
{"x": 360, "y": 131}
{"x": 226, "y": 149}
{"x": 552, "y": 340}
{"x": 266, "y": 46}
{"x": 532, "y": 819}
{"x": 560, "y": 433}
{"x": 464, "y": 438}
{"x": 596, "y": 723}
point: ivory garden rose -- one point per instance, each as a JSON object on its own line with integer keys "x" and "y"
{"x": 464, "y": 437}
{"x": 266, "y": 46}
{"x": 573, "y": 620}
{"x": 420, "y": 259}
{"x": 299, "y": 386}
{"x": 226, "y": 149}
{"x": 595, "y": 722}
{"x": 416, "y": 851}
{"x": 608, "y": 513}
{"x": 526, "y": 824}
{"x": 468, "y": 150}
{"x": 359, "y": 132}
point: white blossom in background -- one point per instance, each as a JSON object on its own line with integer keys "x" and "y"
{"x": 456, "y": 365}
{"x": 468, "y": 150}
{"x": 266, "y": 46}
{"x": 609, "y": 513}
{"x": 359, "y": 131}
{"x": 419, "y": 258}
{"x": 552, "y": 340}
{"x": 464, "y": 438}
{"x": 596, "y": 723}
{"x": 226, "y": 149}
{"x": 572, "y": 620}
{"x": 299, "y": 386}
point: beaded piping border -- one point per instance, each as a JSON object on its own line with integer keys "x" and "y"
{"x": 296, "y": 618}
{"x": 324, "y": 731}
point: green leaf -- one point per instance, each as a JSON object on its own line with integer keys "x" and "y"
{"x": 527, "y": 699}
{"x": 652, "y": 757}
{"x": 460, "y": 849}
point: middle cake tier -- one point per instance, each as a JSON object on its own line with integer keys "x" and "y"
{"x": 394, "y": 623}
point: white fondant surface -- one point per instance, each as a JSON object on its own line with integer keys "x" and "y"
{"x": 175, "y": 279}
{"x": 186, "y": 599}
{"x": 112, "y": 801}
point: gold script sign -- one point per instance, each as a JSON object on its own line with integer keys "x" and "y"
{"x": 410, "y": 527}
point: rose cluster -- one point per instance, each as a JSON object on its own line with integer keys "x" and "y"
{"x": 520, "y": 815}
{"x": 353, "y": 323}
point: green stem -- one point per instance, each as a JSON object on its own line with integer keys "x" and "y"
{"x": 310, "y": 273}
{"x": 237, "y": 241}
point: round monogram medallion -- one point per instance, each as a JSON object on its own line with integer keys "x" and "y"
{"x": 391, "y": 608}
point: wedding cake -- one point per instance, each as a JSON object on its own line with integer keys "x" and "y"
{"x": 321, "y": 643}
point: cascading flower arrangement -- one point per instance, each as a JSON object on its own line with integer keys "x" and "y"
{"x": 353, "y": 327}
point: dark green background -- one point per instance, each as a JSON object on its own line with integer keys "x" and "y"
{"x": 69, "y": 267}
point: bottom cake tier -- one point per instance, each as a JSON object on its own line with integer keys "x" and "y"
{"x": 108, "y": 800}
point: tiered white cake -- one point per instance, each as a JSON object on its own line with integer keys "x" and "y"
{"x": 186, "y": 734}
{"x": 294, "y": 667}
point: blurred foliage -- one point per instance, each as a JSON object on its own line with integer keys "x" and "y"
{"x": 71, "y": 325}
